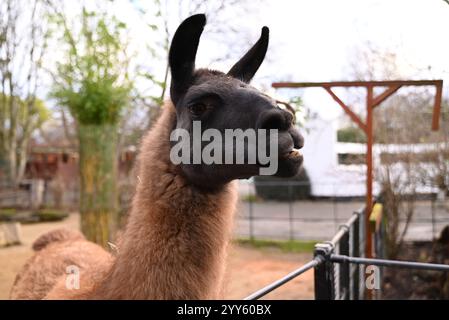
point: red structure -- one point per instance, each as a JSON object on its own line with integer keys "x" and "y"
{"x": 367, "y": 125}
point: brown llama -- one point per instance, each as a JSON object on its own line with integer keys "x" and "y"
{"x": 174, "y": 244}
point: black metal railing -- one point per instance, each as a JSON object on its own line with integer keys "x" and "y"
{"x": 342, "y": 281}
{"x": 339, "y": 264}
{"x": 264, "y": 291}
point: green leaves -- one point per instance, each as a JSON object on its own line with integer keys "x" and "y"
{"x": 95, "y": 102}
{"x": 93, "y": 79}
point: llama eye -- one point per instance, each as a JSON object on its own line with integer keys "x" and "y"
{"x": 197, "y": 109}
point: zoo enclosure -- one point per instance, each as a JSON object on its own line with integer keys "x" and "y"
{"x": 338, "y": 264}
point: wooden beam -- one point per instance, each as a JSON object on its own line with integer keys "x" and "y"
{"x": 384, "y": 95}
{"x": 351, "y": 114}
{"x": 387, "y": 83}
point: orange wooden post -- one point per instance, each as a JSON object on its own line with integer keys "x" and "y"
{"x": 437, "y": 106}
{"x": 369, "y": 169}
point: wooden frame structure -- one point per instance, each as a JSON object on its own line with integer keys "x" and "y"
{"x": 367, "y": 125}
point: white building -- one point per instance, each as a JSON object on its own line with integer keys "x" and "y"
{"x": 330, "y": 164}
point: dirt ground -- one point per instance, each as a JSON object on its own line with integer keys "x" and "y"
{"x": 417, "y": 284}
{"x": 249, "y": 269}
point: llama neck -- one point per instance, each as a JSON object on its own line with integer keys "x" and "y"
{"x": 174, "y": 244}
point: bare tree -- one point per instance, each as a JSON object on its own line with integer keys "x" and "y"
{"x": 398, "y": 170}
{"x": 22, "y": 47}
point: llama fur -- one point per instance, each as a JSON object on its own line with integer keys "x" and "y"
{"x": 173, "y": 246}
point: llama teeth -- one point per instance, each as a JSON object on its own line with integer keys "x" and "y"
{"x": 294, "y": 153}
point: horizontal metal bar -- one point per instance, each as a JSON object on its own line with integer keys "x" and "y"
{"x": 352, "y": 219}
{"x": 262, "y": 292}
{"x": 246, "y": 217}
{"x": 337, "y": 237}
{"x": 344, "y": 228}
{"x": 389, "y": 263}
{"x": 296, "y": 219}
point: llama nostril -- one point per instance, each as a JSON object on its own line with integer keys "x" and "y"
{"x": 298, "y": 139}
{"x": 274, "y": 119}
{"x": 300, "y": 142}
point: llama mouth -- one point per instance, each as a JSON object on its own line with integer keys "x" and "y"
{"x": 292, "y": 154}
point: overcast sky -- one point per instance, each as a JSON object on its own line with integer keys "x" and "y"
{"x": 319, "y": 40}
{"x": 331, "y": 32}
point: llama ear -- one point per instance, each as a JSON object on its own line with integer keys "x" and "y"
{"x": 247, "y": 66}
{"x": 183, "y": 52}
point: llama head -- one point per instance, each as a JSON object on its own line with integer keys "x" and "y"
{"x": 210, "y": 104}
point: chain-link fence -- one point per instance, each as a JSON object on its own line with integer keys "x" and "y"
{"x": 318, "y": 216}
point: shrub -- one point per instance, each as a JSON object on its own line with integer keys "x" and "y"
{"x": 42, "y": 215}
{"x": 6, "y": 214}
{"x": 47, "y": 215}
{"x": 351, "y": 134}
{"x": 283, "y": 189}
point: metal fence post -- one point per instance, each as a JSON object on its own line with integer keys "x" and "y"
{"x": 251, "y": 227}
{"x": 362, "y": 238}
{"x": 355, "y": 275}
{"x": 344, "y": 267}
{"x": 290, "y": 211}
{"x": 335, "y": 210}
{"x": 324, "y": 274}
{"x": 432, "y": 213}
